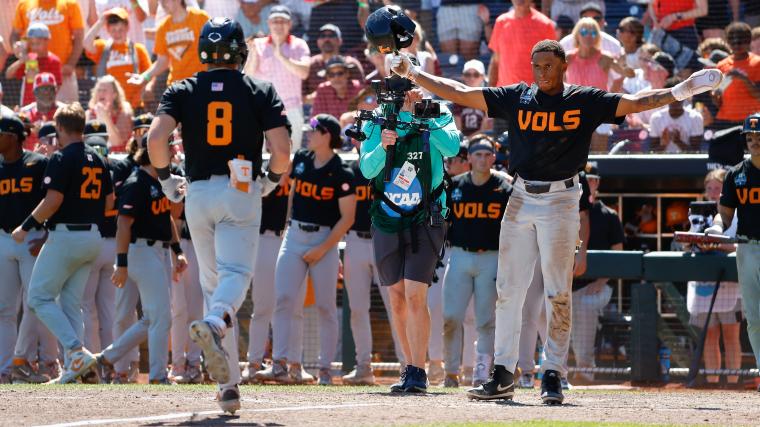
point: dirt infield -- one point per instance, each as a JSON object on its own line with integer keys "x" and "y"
{"x": 363, "y": 406}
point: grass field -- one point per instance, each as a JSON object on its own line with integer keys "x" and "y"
{"x": 311, "y": 406}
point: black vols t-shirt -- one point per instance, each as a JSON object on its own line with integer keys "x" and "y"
{"x": 606, "y": 230}
{"x": 364, "y": 196}
{"x": 81, "y": 175}
{"x": 741, "y": 191}
{"x": 142, "y": 199}
{"x": 549, "y": 136}
{"x": 224, "y": 115}
{"x": 476, "y": 211}
{"x": 20, "y": 188}
{"x": 316, "y": 191}
{"x": 108, "y": 227}
{"x": 274, "y": 209}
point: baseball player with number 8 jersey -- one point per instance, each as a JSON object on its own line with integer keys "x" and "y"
{"x": 79, "y": 192}
{"x": 224, "y": 117}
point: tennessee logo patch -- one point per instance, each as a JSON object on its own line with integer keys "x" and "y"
{"x": 740, "y": 180}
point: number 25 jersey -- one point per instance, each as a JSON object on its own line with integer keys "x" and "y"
{"x": 224, "y": 115}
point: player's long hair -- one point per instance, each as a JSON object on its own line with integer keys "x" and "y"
{"x": 120, "y": 100}
{"x": 587, "y": 23}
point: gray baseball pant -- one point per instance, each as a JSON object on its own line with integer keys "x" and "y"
{"x": 187, "y": 306}
{"x": 587, "y": 308}
{"x": 58, "y": 281}
{"x": 290, "y": 273}
{"x": 16, "y": 264}
{"x": 359, "y": 272}
{"x": 224, "y": 223}
{"x": 99, "y": 296}
{"x": 748, "y": 265}
{"x": 468, "y": 276}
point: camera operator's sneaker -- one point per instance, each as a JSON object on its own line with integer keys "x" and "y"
{"x": 400, "y": 386}
{"x": 361, "y": 375}
{"x": 526, "y": 381}
{"x": 451, "y": 381}
{"x": 298, "y": 375}
{"x": 551, "y": 388}
{"x": 23, "y": 373}
{"x": 501, "y": 385}
{"x": 435, "y": 372}
{"x": 277, "y": 372}
{"x": 229, "y": 399}
{"x": 209, "y": 339}
{"x": 416, "y": 381}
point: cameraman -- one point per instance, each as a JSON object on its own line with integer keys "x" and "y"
{"x": 407, "y": 225}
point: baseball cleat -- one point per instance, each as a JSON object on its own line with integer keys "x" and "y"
{"x": 399, "y": 386}
{"x": 501, "y": 385}
{"x": 50, "y": 369}
{"x": 361, "y": 375}
{"x": 566, "y": 384}
{"x": 416, "y": 381}
{"x": 551, "y": 388}
{"x": 435, "y": 372}
{"x": 526, "y": 381}
{"x": 23, "y": 373}
{"x": 162, "y": 381}
{"x": 190, "y": 375}
{"x": 451, "y": 381}
{"x": 203, "y": 334}
{"x": 104, "y": 369}
{"x": 134, "y": 372}
{"x": 325, "y": 377}
{"x": 80, "y": 362}
{"x": 229, "y": 399}
{"x": 298, "y": 375}
{"x": 276, "y": 373}
{"x": 248, "y": 375}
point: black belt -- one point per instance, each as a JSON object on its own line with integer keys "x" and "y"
{"x": 277, "y": 233}
{"x": 474, "y": 250}
{"x": 309, "y": 228}
{"x": 363, "y": 234}
{"x": 71, "y": 227}
{"x": 545, "y": 188}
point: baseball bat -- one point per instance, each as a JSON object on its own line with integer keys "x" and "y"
{"x": 701, "y": 238}
{"x": 691, "y": 379}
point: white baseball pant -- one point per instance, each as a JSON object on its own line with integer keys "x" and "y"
{"x": 290, "y": 291}
{"x": 148, "y": 269}
{"x": 16, "y": 264}
{"x": 359, "y": 272}
{"x": 533, "y": 224}
{"x": 187, "y": 306}
{"x": 99, "y": 299}
{"x": 224, "y": 223}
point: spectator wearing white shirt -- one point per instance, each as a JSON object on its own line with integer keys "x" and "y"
{"x": 676, "y": 129}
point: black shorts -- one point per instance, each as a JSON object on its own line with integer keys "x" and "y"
{"x": 394, "y": 263}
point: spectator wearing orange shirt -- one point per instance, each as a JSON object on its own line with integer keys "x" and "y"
{"x": 118, "y": 56}
{"x": 64, "y": 19}
{"x": 33, "y": 58}
{"x": 742, "y": 70}
{"x": 176, "y": 45}
{"x": 514, "y": 35}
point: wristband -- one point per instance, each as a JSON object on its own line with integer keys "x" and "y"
{"x": 163, "y": 173}
{"x": 176, "y": 248}
{"x": 145, "y": 76}
{"x": 274, "y": 177}
{"x": 121, "y": 260}
{"x": 30, "y": 222}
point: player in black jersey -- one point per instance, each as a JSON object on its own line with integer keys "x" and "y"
{"x": 550, "y": 127}
{"x": 323, "y": 202}
{"x": 145, "y": 232}
{"x": 741, "y": 196}
{"x": 21, "y": 174}
{"x": 478, "y": 200}
{"x": 224, "y": 117}
{"x": 274, "y": 212}
{"x": 78, "y": 193}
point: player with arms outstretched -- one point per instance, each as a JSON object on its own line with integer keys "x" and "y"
{"x": 550, "y": 126}
{"x": 224, "y": 116}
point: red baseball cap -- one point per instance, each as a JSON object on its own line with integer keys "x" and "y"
{"x": 44, "y": 79}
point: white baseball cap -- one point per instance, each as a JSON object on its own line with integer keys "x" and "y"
{"x": 476, "y": 65}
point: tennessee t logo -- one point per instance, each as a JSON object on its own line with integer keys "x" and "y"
{"x": 539, "y": 121}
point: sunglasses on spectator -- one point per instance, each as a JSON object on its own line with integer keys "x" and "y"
{"x": 336, "y": 74}
{"x": 328, "y": 36}
{"x": 585, "y": 32}
{"x": 473, "y": 75}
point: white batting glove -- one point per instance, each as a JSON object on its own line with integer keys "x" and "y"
{"x": 697, "y": 83}
{"x": 714, "y": 229}
{"x": 402, "y": 65}
{"x": 267, "y": 185}
{"x": 174, "y": 188}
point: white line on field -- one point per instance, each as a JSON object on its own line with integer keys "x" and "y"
{"x": 176, "y": 415}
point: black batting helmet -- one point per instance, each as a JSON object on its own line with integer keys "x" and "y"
{"x": 222, "y": 42}
{"x": 388, "y": 29}
{"x": 752, "y": 123}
